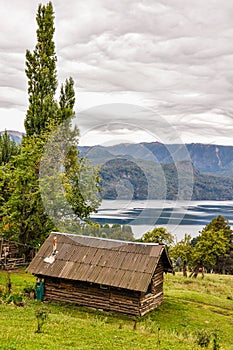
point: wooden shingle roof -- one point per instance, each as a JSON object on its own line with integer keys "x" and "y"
{"x": 108, "y": 262}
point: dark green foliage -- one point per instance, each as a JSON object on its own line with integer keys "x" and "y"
{"x": 216, "y": 345}
{"x": 183, "y": 251}
{"x": 24, "y": 219}
{"x": 158, "y": 235}
{"x": 213, "y": 243}
{"x": 224, "y": 262}
{"x": 8, "y": 151}
{"x": 209, "y": 247}
{"x": 203, "y": 338}
{"x": 41, "y": 316}
{"x": 220, "y": 223}
{"x": 115, "y": 231}
{"x": 15, "y": 298}
{"x": 194, "y": 241}
{"x": 41, "y": 73}
{"x": 67, "y": 101}
{"x": 29, "y": 288}
{"x": 68, "y": 181}
{"x": 8, "y": 148}
{"x": 210, "y": 187}
{"x": 122, "y": 178}
{"x": 8, "y": 283}
{"x": 140, "y": 179}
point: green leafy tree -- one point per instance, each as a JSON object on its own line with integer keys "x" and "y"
{"x": 48, "y": 134}
{"x": 121, "y": 232}
{"x": 67, "y": 101}
{"x": 5, "y": 189}
{"x": 24, "y": 218}
{"x": 184, "y": 251}
{"x": 220, "y": 223}
{"x": 127, "y": 228}
{"x": 68, "y": 183}
{"x": 158, "y": 235}
{"x": 8, "y": 148}
{"x": 41, "y": 74}
{"x": 224, "y": 262}
{"x": 210, "y": 245}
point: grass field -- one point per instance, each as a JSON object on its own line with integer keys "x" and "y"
{"x": 190, "y": 307}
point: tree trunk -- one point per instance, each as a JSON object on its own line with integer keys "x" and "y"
{"x": 194, "y": 273}
{"x": 185, "y": 269}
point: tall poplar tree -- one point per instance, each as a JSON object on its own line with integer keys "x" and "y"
{"x": 47, "y": 120}
{"x": 42, "y": 76}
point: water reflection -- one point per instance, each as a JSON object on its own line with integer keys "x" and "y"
{"x": 179, "y": 217}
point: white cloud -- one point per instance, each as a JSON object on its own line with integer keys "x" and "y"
{"x": 173, "y": 56}
{"x": 11, "y": 119}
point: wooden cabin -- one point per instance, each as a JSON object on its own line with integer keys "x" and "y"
{"x": 105, "y": 274}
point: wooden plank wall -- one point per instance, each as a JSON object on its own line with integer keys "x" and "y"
{"x": 92, "y": 295}
{"x": 153, "y": 299}
{"x": 106, "y": 298}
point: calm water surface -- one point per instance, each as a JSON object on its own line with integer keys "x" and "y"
{"x": 179, "y": 217}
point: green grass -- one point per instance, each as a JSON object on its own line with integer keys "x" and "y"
{"x": 190, "y": 306}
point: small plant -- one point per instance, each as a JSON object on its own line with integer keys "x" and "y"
{"x": 99, "y": 320}
{"x": 29, "y": 290}
{"x": 135, "y": 322}
{"x": 216, "y": 345}
{"x": 16, "y": 299}
{"x": 150, "y": 325}
{"x": 158, "y": 340}
{"x": 41, "y": 316}
{"x": 203, "y": 338}
{"x": 8, "y": 283}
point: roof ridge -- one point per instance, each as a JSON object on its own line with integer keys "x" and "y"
{"x": 107, "y": 239}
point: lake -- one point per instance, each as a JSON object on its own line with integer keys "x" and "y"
{"x": 179, "y": 217}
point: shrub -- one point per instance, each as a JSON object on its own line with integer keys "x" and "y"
{"x": 41, "y": 316}
{"x": 203, "y": 338}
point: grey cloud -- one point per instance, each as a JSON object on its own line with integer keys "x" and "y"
{"x": 176, "y": 55}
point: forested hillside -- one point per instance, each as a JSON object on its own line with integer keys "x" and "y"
{"x": 124, "y": 178}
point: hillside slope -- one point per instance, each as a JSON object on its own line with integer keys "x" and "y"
{"x": 191, "y": 308}
{"x": 124, "y": 178}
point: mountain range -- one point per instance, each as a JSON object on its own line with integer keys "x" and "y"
{"x": 210, "y": 159}
{"x": 15, "y": 135}
{"x": 157, "y": 171}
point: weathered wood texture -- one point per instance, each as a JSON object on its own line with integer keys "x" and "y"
{"x": 10, "y": 256}
{"x": 118, "y": 276}
{"x": 154, "y": 297}
{"x": 105, "y": 297}
{"x": 126, "y": 265}
{"x": 92, "y": 295}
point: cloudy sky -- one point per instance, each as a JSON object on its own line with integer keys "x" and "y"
{"x": 144, "y": 70}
